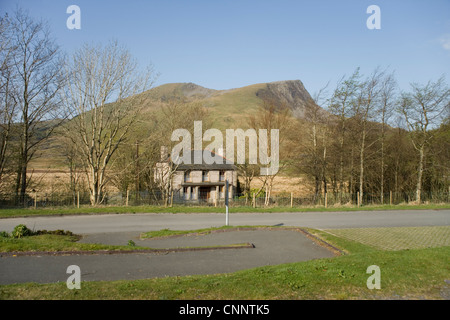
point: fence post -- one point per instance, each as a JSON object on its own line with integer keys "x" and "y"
{"x": 227, "y": 216}
{"x": 35, "y": 200}
{"x": 292, "y": 199}
{"x": 390, "y": 198}
{"x": 254, "y": 200}
{"x": 326, "y": 199}
{"x": 126, "y": 200}
{"x": 358, "y": 200}
{"x": 78, "y": 199}
{"x": 216, "y": 199}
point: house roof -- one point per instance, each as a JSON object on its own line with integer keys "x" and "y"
{"x": 221, "y": 165}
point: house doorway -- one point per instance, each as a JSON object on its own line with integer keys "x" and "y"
{"x": 204, "y": 193}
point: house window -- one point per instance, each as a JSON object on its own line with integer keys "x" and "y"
{"x": 186, "y": 193}
{"x": 205, "y": 175}
{"x": 187, "y": 176}
{"x": 222, "y": 175}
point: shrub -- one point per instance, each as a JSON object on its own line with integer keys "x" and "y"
{"x": 20, "y": 231}
{"x": 4, "y": 234}
{"x": 54, "y": 232}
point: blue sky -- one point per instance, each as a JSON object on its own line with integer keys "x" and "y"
{"x": 227, "y": 44}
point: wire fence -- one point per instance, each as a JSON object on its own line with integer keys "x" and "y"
{"x": 158, "y": 198}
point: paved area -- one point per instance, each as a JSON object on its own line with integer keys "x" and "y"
{"x": 271, "y": 248}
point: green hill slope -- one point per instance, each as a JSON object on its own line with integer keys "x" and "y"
{"x": 226, "y": 108}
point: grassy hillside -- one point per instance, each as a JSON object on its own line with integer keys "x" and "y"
{"x": 227, "y": 109}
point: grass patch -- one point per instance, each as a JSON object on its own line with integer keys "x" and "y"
{"x": 411, "y": 274}
{"x": 23, "y": 212}
{"x": 69, "y": 242}
{"x": 50, "y": 242}
{"x": 398, "y": 238}
{"x": 169, "y": 233}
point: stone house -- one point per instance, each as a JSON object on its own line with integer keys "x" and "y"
{"x": 195, "y": 183}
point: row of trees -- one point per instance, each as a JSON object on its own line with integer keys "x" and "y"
{"x": 91, "y": 99}
{"x": 368, "y": 136}
{"x": 365, "y": 136}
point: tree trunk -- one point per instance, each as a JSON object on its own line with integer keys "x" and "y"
{"x": 341, "y": 169}
{"x": 361, "y": 166}
{"x": 420, "y": 174}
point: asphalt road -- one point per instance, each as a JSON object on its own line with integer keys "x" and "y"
{"x": 271, "y": 247}
{"x": 105, "y": 223}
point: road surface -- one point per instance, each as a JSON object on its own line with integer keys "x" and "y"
{"x": 139, "y": 222}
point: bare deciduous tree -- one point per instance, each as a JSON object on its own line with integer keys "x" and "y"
{"x": 423, "y": 109}
{"x": 341, "y": 103}
{"x": 316, "y": 146}
{"x": 38, "y": 65}
{"x": 363, "y": 114}
{"x": 103, "y": 97}
{"x": 385, "y": 111}
{"x": 272, "y": 115}
{"x": 175, "y": 114}
{"x": 8, "y": 102}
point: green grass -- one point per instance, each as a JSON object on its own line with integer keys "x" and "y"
{"x": 168, "y": 233}
{"x": 22, "y": 212}
{"x": 398, "y": 238}
{"x": 58, "y": 243}
{"x": 405, "y": 274}
{"x": 49, "y": 242}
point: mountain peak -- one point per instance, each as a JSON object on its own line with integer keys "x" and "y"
{"x": 289, "y": 92}
{"x": 176, "y": 91}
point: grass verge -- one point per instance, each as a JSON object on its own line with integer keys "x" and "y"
{"x": 49, "y": 243}
{"x": 28, "y": 212}
{"x": 170, "y": 233}
{"x": 54, "y": 243}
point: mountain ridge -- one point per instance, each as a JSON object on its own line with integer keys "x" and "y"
{"x": 241, "y": 100}
{"x": 228, "y": 109}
